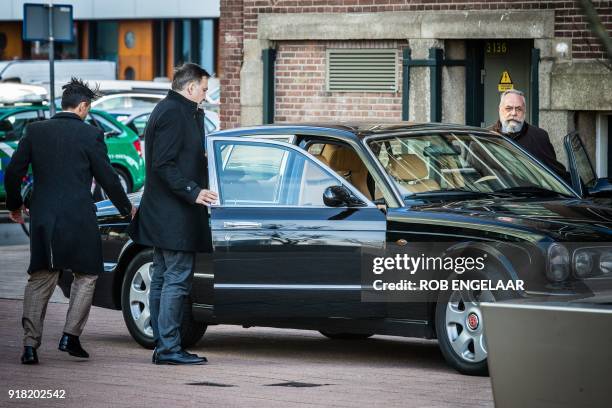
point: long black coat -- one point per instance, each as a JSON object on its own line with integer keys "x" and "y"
{"x": 65, "y": 153}
{"x": 537, "y": 142}
{"x": 176, "y": 172}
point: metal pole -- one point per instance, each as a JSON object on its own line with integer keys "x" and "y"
{"x": 406, "y": 84}
{"x": 535, "y": 87}
{"x": 268, "y": 56}
{"x": 435, "y": 55}
{"x": 51, "y": 62}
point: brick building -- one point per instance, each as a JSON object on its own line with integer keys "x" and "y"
{"x": 420, "y": 60}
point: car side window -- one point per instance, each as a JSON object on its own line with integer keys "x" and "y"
{"x": 139, "y": 123}
{"x": 100, "y": 122}
{"x": 266, "y": 174}
{"x": 16, "y": 124}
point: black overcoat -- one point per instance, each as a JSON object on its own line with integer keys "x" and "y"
{"x": 176, "y": 172}
{"x": 537, "y": 142}
{"x": 65, "y": 153}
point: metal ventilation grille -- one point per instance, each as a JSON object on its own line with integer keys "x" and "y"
{"x": 362, "y": 70}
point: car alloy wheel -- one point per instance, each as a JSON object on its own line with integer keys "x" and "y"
{"x": 139, "y": 300}
{"x": 464, "y": 324}
{"x": 135, "y": 305}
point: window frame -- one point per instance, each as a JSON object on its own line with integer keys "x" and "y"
{"x": 254, "y": 139}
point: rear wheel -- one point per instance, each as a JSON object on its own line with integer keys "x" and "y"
{"x": 125, "y": 180}
{"x": 135, "y": 305}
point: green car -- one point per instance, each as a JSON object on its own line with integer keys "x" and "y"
{"x": 124, "y": 149}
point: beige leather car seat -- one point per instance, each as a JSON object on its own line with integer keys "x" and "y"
{"x": 411, "y": 172}
{"x": 347, "y": 164}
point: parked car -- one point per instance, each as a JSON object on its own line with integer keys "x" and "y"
{"x": 126, "y": 101}
{"x": 36, "y": 72}
{"x": 15, "y": 93}
{"x": 137, "y": 120}
{"x": 301, "y": 206}
{"x": 124, "y": 150}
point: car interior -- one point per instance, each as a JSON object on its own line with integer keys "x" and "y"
{"x": 347, "y": 164}
{"x": 414, "y": 172}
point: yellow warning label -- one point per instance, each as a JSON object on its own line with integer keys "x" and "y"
{"x": 505, "y": 82}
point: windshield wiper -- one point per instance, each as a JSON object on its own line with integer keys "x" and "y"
{"x": 532, "y": 190}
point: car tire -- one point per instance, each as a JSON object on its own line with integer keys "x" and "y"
{"x": 125, "y": 179}
{"x": 98, "y": 192}
{"x": 464, "y": 347}
{"x": 346, "y": 336}
{"x": 135, "y": 305}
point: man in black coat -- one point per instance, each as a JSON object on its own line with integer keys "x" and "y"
{"x": 65, "y": 154}
{"x": 172, "y": 217}
{"x": 536, "y": 141}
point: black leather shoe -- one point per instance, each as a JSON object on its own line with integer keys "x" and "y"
{"x": 179, "y": 358}
{"x": 29, "y": 355}
{"x": 204, "y": 359}
{"x": 72, "y": 346}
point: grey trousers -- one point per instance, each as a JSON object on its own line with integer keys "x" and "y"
{"x": 38, "y": 291}
{"x": 171, "y": 278}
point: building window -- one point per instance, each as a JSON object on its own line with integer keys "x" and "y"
{"x": 361, "y": 70}
{"x": 104, "y": 41}
{"x": 194, "y": 41}
{"x": 129, "y": 39}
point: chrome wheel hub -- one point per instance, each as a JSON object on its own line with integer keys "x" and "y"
{"x": 464, "y": 327}
{"x": 139, "y": 299}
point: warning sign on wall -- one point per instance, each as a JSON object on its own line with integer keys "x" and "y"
{"x": 505, "y": 82}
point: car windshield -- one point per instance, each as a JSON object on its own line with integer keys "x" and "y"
{"x": 460, "y": 162}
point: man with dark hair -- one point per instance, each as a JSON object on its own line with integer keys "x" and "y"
{"x": 65, "y": 154}
{"x": 173, "y": 218}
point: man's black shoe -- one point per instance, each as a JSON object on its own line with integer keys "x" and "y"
{"x": 204, "y": 360}
{"x": 156, "y": 355}
{"x": 71, "y": 344}
{"x": 179, "y": 358}
{"x": 29, "y": 355}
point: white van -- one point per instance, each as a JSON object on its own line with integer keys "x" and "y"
{"x": 37, "y": 71}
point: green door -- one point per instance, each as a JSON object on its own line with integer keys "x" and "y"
{"x": 506, "y": 65}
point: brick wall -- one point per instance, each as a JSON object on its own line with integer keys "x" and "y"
{"x": 300, "y": 86}
{"x": 230, "y": 54}
{"x": 569, "y": 21}
{"x": 300, "y": 71}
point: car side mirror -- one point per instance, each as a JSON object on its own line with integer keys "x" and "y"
{"x": 340, "y": 196}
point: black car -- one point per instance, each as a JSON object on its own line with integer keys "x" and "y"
{"x": 302, "y": 209}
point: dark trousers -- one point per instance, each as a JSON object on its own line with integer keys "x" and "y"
{"x": 171, "y": 278}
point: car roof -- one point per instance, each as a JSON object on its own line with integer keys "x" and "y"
{"x": 358, "y": 130}
{"x": 7, "y": 109}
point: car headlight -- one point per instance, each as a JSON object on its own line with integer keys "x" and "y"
{"x": 583, "y": 263}
{"x": 558, "y": 268}
{"x": 605, "y": 263}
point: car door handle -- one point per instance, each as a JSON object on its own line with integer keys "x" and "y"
{"x": 241, "y": 225}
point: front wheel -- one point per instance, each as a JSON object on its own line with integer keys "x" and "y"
{"x": 135, "y": 305}
{"x": 460, "y": 329}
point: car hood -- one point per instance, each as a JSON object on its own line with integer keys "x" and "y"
{"x": 578, "y": 220}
